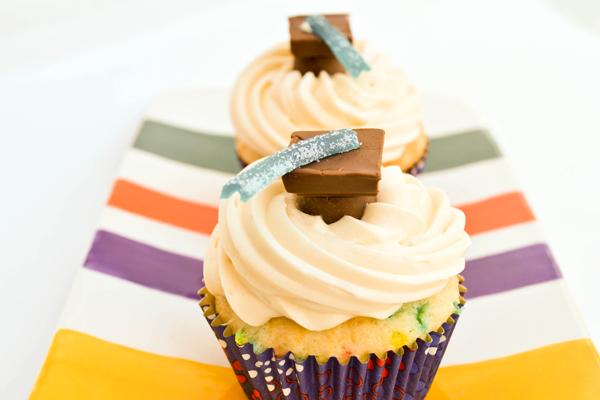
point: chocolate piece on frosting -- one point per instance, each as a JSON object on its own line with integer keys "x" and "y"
{"x": 334, "y": 208}
{"x": 355, "y": 173}
{"x": 307, "y": 44}
{"x": 318, "y": 64}
{"x": 338, "y": 185}
{"x": 311, "y": 53}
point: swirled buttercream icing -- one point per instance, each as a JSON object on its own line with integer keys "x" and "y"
{"x": 270, "y": 100}
{"x": 270, "y": 259}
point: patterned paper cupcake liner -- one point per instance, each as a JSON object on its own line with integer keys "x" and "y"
{"x": 419, "y": 166}
{"x": 406, "y": 374}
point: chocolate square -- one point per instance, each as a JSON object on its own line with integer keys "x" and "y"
{"x": 332, "y": 209}
{"x": 305, "y": 44}
{"x": 318, "y": 64}
{"x": 355, "y": 173}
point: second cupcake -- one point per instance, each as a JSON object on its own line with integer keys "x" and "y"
{"x": 302, "y": 85}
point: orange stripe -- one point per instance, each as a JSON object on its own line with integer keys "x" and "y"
{"x": 486, "y": 215}
{"x": 80, "y": 366}
{"x": 496, "y": 212}
{"x": 152, "y": 204}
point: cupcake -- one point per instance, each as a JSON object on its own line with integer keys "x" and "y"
{"x": 301, "y": 85}
{"x": 361, "y": 306}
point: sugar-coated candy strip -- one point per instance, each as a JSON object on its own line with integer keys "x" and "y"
{"x": 340, "y": 46}
{"x": 258, "y": 175}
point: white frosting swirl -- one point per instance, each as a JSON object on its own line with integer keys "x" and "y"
{"x": 271, "y": 100}
{"x": 269, "y": 259}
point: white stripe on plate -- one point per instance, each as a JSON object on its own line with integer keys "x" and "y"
{"x": 513, "y": 322}
{"x": 464, "y": 184}
{"x": 140, "y": 318}
{"x": 149, "y": 320}
{"x": 203, "y": 110}
{"x": 473, "y": 182}
{"x": 154, "y": 233}
{"x": 173, "y": 178}
{"x": 191, "y": 244}
{"x": 504, "y": 239}
{"x": 445, "y": 116}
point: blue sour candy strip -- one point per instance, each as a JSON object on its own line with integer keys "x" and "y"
{"x": 339, "y": 45}
{"x": 260, "y": 174}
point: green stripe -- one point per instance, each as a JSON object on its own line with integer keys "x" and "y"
{"x": 199, "y": 149}
{"x": 218, "y": 152}
{"x": 461, "y": 149}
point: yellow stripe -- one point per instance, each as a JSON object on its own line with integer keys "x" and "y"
{"x": 569, "y": 370}
{"x": 80, "y": 366}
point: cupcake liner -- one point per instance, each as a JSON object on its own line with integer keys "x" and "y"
{"x": 419, "y": 166}
{"x": 405, "y": 374}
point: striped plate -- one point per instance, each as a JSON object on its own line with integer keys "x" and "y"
{"x": 132, "y": 329}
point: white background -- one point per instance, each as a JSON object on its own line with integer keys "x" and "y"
{"x": 75, "y": 76}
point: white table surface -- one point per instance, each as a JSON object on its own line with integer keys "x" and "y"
{"x": 76, "y": 75}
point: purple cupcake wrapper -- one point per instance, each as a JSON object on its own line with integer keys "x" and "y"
{"x": 419, "y": 166}
{"x": 406, "y": 374}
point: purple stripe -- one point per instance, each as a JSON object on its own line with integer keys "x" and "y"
{"x": 511, "y": 270}
{"x": 137, "y": 262}
{"x": 146, "y": 265}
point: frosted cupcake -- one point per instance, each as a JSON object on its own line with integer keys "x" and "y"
{"x": 281, "y": 92}
{"x": 359, "y": 306}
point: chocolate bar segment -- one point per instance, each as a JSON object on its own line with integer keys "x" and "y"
{"x": 318, "y": 64}
{"x": 352, "y": 174}
{"x": 334, "y": 208}
{"x": 307, "y": 45}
